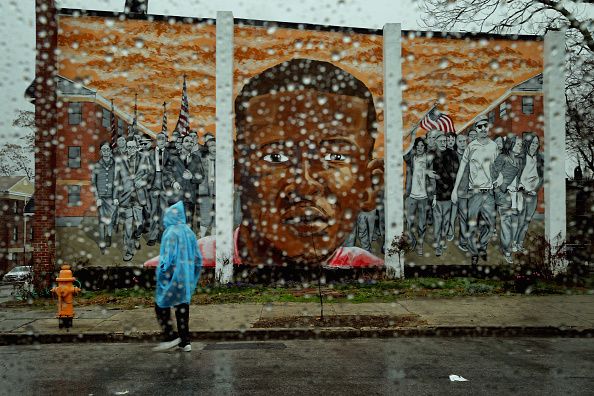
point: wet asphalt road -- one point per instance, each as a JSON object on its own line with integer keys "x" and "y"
{"x": 524, "y": 366}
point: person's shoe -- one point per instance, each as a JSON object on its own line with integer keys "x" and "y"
{"x": 128, "y": 256}
{"x": 474, "y": 261}
{"x": 515, "y": 247}
{"x": 483, "y": 255}
{"x": 186, "y": 348}
{"x": 450, "y": 236}
{"x": 438, "y": 251}
{"x": 166, "y": 345}
{"x": 508, "y": 258}
{"x": 137, "y": 244}
{"x": 152, "y": 242}
{"x": 463, "y": 248}
{"x": 108, "y": 241}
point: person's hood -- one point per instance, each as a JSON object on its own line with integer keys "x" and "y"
{"x": 175, "y": 214}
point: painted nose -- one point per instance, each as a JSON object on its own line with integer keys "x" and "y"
{"x": 306, "y": 183}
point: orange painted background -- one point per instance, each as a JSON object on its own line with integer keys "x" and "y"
{"x": 121, "y": 58}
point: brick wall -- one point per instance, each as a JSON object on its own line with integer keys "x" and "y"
{"x": 88, "y": 135}
{"x": 45, "y": 142}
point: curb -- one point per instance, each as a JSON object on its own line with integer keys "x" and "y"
{"x": 304, "y": 334}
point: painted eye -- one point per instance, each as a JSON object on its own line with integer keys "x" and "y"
{"x": 275, "y": 158}
{"x": 335, "y": 157}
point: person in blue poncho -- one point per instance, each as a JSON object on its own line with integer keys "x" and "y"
{"x": 177, "y": 274}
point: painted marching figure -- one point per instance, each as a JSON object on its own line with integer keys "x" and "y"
{"x": 102, "y": 180}
{"x": 207, "y": 188}
{"x": 530, "y": 182}
{"x": 460, "y": 209}
{"x": 419, "y": 187}
{"x": 505, "y": 171}
{"x": 131, "y": 176}
{"x": 157, "y": 191}
{"x": 184, "y": 173}
{"x": 364, "y": 230}
{"x": 479, "y": 157}
{"x": 445, "y": 166}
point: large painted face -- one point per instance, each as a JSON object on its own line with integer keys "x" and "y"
{"x": 441, "y": 142}
{"x": 461, "y": 142}
{"x": 307, "y": 171}
{"x": 472, "y": 134}
{"x": 161, "y": 140}
{"x": 106, "y": 153}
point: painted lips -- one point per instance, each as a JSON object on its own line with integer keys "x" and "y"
{"x": 305, "y": 220}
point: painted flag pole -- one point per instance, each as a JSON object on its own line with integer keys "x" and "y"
{"x": 114, "y": 129}
{"x": 183, "y": 121}
{"x": 416, "y": 126}
{"x": 164, "y": 123}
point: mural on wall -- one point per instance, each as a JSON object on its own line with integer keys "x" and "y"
{"x": 309, "y": 184}
{"x": 309, "y": 142}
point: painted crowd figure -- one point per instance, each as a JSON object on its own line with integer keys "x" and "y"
{"x": 471, "y": 179}
{"x": 102, "y": 180}
{"x": 135, "y": 182}
{"x": 131, "y": 196}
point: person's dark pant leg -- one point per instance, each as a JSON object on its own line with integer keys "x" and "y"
{"x": 488, "y": 218}
{"x": 182, "y": 315}
{"x": 164, "y": 319}
{"x": 530, "y": 204}
{"x": 475, "y": 202}
{"x": 463, "y": 216}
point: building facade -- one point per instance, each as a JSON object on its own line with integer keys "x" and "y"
{"x": 16, "y": 215}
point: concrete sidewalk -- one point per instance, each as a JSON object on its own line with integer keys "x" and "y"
{"x": 495, "y": 315}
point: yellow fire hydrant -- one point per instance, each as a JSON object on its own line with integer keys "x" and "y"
{"x": 65, "y": 292}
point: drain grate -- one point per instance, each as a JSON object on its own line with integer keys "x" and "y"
{"x": 229, "y": 346}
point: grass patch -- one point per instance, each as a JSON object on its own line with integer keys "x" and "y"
{"x": 372, "y": 291}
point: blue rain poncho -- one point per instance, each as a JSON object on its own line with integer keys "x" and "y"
{"x": 180, "y": 261}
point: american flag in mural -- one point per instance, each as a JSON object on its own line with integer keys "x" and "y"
{"x": 114, "y": 129}
{"x": 183, "y": 122}
{"x": 164, "y": 124}
{"x": 437, "y": 120}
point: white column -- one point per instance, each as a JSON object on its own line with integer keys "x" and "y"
{"x": 393, "y": 175}
{"x": 224, "y": 136}
{"x": 554, "y": 137}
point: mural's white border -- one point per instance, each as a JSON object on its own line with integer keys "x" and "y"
{"x": 393, "y": 167}
{"x": 224, "y": 156}
{"x": 554, "y": 135}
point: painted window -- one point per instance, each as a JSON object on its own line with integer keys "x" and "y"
{"x": 502, "y": 110}
{"x": 15, "y": 233}
{"x": 74, "y": 157}
{"x": 120, "y": 127}
{"x": 74, "y": 195}
{"x": 74, "y": 113}
{"x": 527, "y": 104}
{"x": 491, "y": 117}
{"x": 106, "y": 119}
